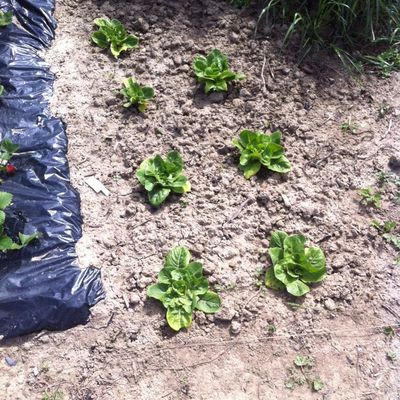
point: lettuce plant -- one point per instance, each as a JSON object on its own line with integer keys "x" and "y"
{"x": 136, "y": 95}
{"x": 112, "y": 34}
{"x": 294, "y": 265}
{"x": 6, "y": 243}
{"x": 183, "y": 289}
{"x": 259, "y": 149}
{"x": 5, "y": 18}
{"x": 213, "y": 71}
{"x": 161, "y": 176}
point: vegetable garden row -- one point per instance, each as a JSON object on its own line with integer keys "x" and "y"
{"x": 181, "y": 286}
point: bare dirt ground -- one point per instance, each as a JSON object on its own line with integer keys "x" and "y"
{"x": 127, "y": 351}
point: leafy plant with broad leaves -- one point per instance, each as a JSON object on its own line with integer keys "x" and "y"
{"x": 5, "y": 18}
{"x": 161, "y": 176}
{"x": 136, "y": 95}
{"x": 113, "y": 35}
{"x": 2, "y": 90}
{"x": 293, "y": 265}
{"x": 6, "y": 243}
{"x": 370, "y": 198}
{"x": 7, "y": 150}
{"x": 259, "y": 149}
{"x": 213, "y": 71}
{"x": 182, "y": 289}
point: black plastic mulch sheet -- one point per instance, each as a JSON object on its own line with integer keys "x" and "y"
{"x": 41, "y": 286}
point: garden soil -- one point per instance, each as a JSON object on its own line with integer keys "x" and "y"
{"x": 247, "y": 350}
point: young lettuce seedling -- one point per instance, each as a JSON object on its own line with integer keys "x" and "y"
{"x": 112, "y": 34}
{"x": 294, "y": 265}
{"x": 136, "y": 95}
{"x": 6, "y": 243}
{"x": 5, "y": 18}
{"x": 161, "y": 177}
{"x": 259, "y": 149}
{"x": 183, "y": 289}
{"x": 213, "y": 71}
{"x": 369, "y": 197}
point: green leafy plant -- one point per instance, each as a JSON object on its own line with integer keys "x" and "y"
{"x": 136, "y": 95}
{"x": 389, "y": 331}
{"x": 161, "y": 176}
{"x": 5, "y": 18}
{"x": 57, "y": 395}
{"x": 294, "y": 265}
{"x": 384, "y": 227}
{"x": 183, "y": 289}
{"x": 386, "y": 62}
{"x": 7, "y": 150}
{"x": 6, "y": 243}
{"x": 112, "y": 34}
{"x": 302, "y": 373}
{"x": 370, "y": 198}
{"x": 2, "y": 90}
{"x": 341, "y": 27}
{"x": 214, "y": 73}
{"x": 259, "y": 149}
{"x": 349, "y": 127}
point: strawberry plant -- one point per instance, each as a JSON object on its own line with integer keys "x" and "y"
{"x": 2, "y": 90}
{"x": 259, "y": 149}
{"x": 136, "y": 95}
{"x": 294, "y": 265}
{"x": 6, "y": 243}
{"x": 161, "y": 176}
{"x": 7, "y": 150}
{"x": 5, "y": 18}
{"x": 112, "y": 34}
{"x": 214, "y": 73}
{"x": 183, "y": 289}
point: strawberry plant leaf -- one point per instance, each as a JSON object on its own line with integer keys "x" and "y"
{"x": 183, "y": 289}
{"x": 2, "y": 90}
{"x": 257, "y": 149}
{"x": 161, "y": 177}
{"x": 112, "y": 34}
{"x": 5, "y": 200}
{"x": 5, "y": 18}
{"x": 294, "y": 265}
{"x": 213, "y": 72}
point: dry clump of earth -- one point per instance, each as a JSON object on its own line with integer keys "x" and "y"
{"x": 246, "y": 351}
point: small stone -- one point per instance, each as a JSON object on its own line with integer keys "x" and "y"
{"x": 330, "y": 304}
{"x": 134, "y": 299}
{"x": 226, "y": 314}
{"x": 10, "y": 361}
{"x": 235, "y": 327}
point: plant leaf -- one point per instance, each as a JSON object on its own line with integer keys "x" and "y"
{"x": 178, "y": 257}
{"x": 209, "y": 302}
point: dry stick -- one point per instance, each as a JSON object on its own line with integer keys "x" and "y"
{"x": 235, "y": 342}
{"x": 193, "y": 365}
{"x": 262, "y": 74}
{"x": 394, "y": 313}
{"x": 388, "y": 129}
{"x": 238, "y": 210}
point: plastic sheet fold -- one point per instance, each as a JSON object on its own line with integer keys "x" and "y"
{"x": 41, "y": 286}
